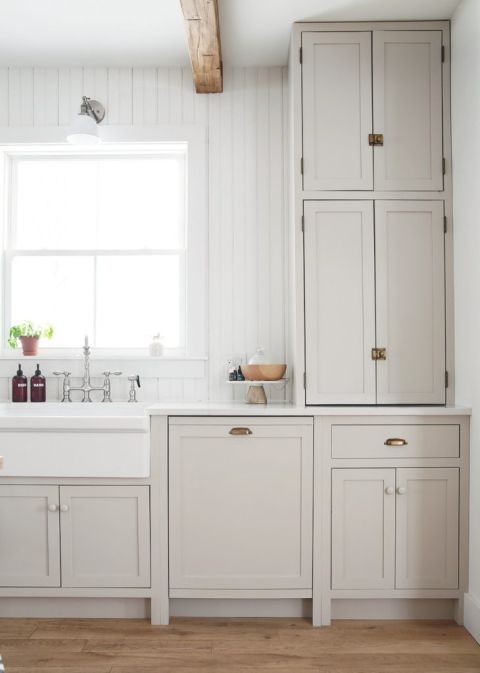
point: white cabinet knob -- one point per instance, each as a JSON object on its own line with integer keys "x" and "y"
{"x": 53, "y": 508}
{"x": 389, "y": 490}
{"x": 64, "y": 508}
{"x": 401, "y": 490}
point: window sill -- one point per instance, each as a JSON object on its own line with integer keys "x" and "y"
{"x": 167, "y": 366}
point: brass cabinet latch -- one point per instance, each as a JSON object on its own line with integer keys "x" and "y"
{"x": 375, "y": 139}
{"x": 379, "y": 353}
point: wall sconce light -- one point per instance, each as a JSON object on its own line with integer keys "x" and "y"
{"x": 84, "y": 130}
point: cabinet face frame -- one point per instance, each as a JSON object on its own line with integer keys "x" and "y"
{"x": 296, "y": 335}
{"x": 48, "y": 496}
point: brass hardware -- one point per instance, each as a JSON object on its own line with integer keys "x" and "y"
{"x": 395, "y": 441}
{"x": 379, "y": 353}
{"x": 240, "y": 431}
{"x": 375, "y": 139}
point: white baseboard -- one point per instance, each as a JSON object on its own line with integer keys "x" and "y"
{"x": 472, "y": 615}
{"x": 397, "y": 608}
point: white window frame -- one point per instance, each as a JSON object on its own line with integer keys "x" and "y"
{"x": 18, "y": 142}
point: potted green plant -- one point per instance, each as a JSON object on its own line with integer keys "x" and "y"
{"x": 29, "y": 334}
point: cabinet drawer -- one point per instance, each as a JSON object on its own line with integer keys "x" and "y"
{"x": 395, "y": 441}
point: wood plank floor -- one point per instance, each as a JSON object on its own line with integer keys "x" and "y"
{"x": 235, "y": 646}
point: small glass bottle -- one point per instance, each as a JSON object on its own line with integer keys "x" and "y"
{"x": 19, "y": 386}
{"x": 38, "y": 388}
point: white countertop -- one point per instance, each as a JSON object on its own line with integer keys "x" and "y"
{"x": 135, "y": 417}
{"x": 281, "y": 409}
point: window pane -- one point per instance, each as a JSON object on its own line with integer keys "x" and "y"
{"x": 138, "y": 296}
{"x": 100, "y": 202}
{"x": 55, "y": 290}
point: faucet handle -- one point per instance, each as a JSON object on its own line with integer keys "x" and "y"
{"x": 66, "y": 374}
{"x": 135, "y": 379}
{"x": 112, "y": 373}
{"x": 132, "y": 396}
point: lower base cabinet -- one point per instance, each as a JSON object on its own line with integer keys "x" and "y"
{"x": 241, "y": 504}
{"x": 99, "y": 536}
{"x": 395, "y": 528}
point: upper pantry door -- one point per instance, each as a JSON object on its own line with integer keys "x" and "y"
{"x": 337, "y": 111}
{"x": 407, "y": 109}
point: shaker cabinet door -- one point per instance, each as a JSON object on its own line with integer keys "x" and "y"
{"x": 105, "y": 536}
{"x": 339, "y": 302}
{"x": 240, "y": 506}
{"x": 337, "y": 110}
{"x": 410, "y": 293}
{"x": 407, "y": 109}
{"x": 363, "y": 528}
{"x": 29, "y": 536}
{"x": 427, "y": 528}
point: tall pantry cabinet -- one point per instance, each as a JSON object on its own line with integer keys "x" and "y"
{"x": 371, "y": 213}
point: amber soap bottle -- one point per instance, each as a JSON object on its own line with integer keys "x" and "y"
{"x": 19, "y": 386}
{"x": 38, "y": 388}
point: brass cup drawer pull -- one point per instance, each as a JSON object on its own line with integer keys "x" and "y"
{"x": 240, "y": 431}
{"x": 395, "y": 441}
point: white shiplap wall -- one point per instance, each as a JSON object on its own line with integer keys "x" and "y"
{"x": 246, "y": 130}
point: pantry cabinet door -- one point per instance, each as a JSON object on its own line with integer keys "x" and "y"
{"x": 339, "y": 302}
{"x": 337, "y": 110}
{"x": 240, "y": 506}
{"x": 427, "y": 528}
{"x": 29, "y": 536}
{"x": 105, "y": 536}
{"x": 410, "y": 291}
{"x": 363, "y": 528}
{"x": 407, "y": 109}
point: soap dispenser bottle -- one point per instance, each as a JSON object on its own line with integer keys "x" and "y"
{"x": 38, "y": 388}
{"x": 19, "y": 386}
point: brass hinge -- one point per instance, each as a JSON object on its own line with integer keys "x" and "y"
{"x": 303, "y": 223}
{"x": 375, "y": 139}
{"x": 379, "y": 353}
{"x": 444, "y": 224}
{"x": 301, "y": 55}
{"x": 304, "y": 380}
{"x": 444, "y": 165}
{"x": 301, "y": 166}
{"x": 446, "y": 379}
{"x": 443, "y": 53}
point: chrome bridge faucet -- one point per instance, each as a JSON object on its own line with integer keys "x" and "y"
{"x": 86, "y": 388}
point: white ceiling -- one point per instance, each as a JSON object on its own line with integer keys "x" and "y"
{"x": 151, "y": 32}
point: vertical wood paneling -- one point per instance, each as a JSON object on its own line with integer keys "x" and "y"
{"x": 45, "y": 97}
{"x": 247, "y": 253}
{"x": 20, "y": 96}
{"x": 70, "y": 92}
{"x": 3, "y": 96}
{"x": 120, "y": 96}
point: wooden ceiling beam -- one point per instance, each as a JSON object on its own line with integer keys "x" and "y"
{"x": 203, "y": 35}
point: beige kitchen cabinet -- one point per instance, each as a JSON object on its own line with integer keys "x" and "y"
{"x": 410, "y": 301}
{"x": 240, "y": 505}
{"x": 339, "y": 302}
{"x": 395, "y": 528}
{"x": 74, "y": 536}
{"x": 372, "y": 287}
{"x": 336, "y": 153}
{"x": 29, "y": 536}
{"x": 363, "y": 528}
{"x": 427, "y": 528}
{"x": 105, "y": 536}
{"x": 358, "y": 83}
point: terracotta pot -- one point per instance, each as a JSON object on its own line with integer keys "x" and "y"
{"x": 29, "y": 344}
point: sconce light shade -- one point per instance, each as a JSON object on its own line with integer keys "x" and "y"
{"x": 84, "y": 129}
